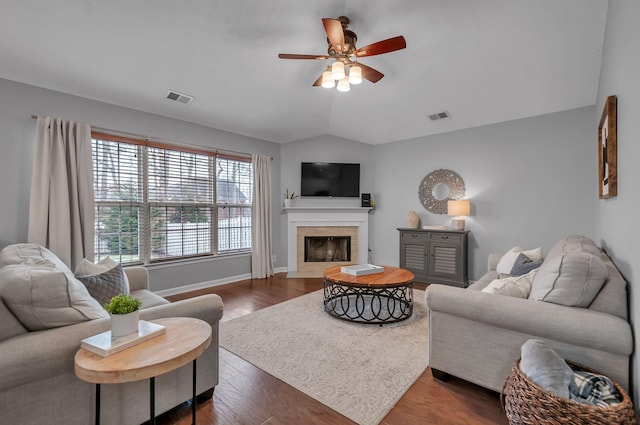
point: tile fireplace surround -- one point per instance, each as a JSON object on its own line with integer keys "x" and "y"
{"x": 318, "y": 221}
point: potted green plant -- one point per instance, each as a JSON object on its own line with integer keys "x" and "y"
{"x": 288, "y": 198}
{"x": 125, "y": 313}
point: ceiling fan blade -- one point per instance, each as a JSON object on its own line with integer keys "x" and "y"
{"x": 384, "y": 46}
{"x": 294, "y": 56}
{"x": 333, "y": 28}
{"x": 318, "y": 82}
{"x": 370, "y": 74}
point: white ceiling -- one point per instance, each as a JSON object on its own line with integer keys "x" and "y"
{"x": 484, "y": 61}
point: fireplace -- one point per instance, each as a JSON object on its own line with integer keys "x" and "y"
{"x": 341, "y": 224}
{"x": 322, "y": 249}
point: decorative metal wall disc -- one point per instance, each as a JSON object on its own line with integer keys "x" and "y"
{"x": 437, "y": 187}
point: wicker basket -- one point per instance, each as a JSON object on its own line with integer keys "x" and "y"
{"x": 526, "y": 403}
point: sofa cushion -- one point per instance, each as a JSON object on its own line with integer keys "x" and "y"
{"x": 9, "y": 325}
{"x": 572, "y": 279}
{"x": 45, "y": 297}
{"x": 574, "y": 243}
{"x": 511, "y": 286}
{"x": 106, "y": 285}
{"x": 88, "y": 268}
{"x": 542, "y": 365}
{"x": 26, "y": 253}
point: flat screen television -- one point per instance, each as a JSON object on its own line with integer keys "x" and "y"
{"x": 330, "y": 179}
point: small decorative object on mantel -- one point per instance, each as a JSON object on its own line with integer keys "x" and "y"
{"x": 412, "y": 220}
{"x": 437, "y": 187}
{"x": 288, "y": 198}
{"x": 125, "y": 314}
{"x": 607, "y": 149}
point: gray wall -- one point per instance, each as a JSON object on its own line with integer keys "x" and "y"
{"x": 530, "y": 182}
{"x": 17, "y": 130}
{"x": 616, "y": 218}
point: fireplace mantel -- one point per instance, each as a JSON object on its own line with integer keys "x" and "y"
{"x": 323, "y": 217}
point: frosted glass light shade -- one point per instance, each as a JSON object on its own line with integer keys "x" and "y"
{"x": 337, "y": 70}
{"x": 343, "y": 85}
{"x": 327, "y": 80}
{"x": 355, "y": 74}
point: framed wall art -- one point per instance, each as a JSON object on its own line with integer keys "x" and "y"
{"x": 607, "y": 150}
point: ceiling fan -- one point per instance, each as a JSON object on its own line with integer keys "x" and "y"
{"x": 346, "y": 69}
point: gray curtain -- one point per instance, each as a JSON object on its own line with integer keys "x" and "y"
{"x": 61, "y": 209}
{"x": 261, "y": 232}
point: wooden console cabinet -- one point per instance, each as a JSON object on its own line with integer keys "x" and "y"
{"x": 435, "y": 256}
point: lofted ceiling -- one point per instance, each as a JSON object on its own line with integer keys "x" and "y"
{"x": 483, "y": 61}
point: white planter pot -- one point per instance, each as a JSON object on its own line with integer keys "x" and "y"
{"x": 287, "y": 203}
{"x": 124, "y": 324}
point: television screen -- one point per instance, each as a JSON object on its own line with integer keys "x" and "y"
{"x": 330, "y": 179}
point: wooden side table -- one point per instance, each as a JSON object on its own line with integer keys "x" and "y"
{"x": 184, "y": 341}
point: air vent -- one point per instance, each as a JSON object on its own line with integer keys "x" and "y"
{"x": 179, "y": 97}
{"x": 439, "y": 116}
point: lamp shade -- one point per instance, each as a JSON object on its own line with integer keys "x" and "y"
{"x": 343, "y": 85}
{"x": 337, "y": 70}
{"x": 355, "y": 74}
{"x": 460, "y": 207}
{"x": 327, "y": 80}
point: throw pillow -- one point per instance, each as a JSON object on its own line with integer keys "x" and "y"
{"x": 105, "y": 285}
{"x": 87, "y": 268}
{"x": 573, "y": 279}
{"x": 546, "y": 368}
{"x": 511, "y": 286}
{"x": 524, "y": 265}
{"x": 44, "y": 297}
{"x": 509, "y": 258}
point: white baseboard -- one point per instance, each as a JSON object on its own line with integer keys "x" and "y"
{"x": 209, "y": 284}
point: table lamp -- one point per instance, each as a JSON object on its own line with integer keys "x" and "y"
{"x": 459, "y": 209}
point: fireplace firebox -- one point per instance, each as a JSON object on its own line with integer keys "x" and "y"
{"x": 320, "y": 249}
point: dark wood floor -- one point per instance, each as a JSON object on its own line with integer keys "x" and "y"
{"x": 248, "y": 396}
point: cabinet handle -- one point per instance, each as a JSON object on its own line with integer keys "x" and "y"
{"x": 413, "y": 235}
{"x": 444, "y": 237}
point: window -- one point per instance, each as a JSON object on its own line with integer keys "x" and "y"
{"x": 157, "y": 202}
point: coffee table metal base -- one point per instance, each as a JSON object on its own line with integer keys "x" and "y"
{"x": 368, "y": 305}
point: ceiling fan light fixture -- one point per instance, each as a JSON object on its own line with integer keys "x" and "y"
{"x": 355, "y": 74}
{"x": 343, "y": 85}
{"x": 327, "y": 80}
{"x": 337, "y": 70}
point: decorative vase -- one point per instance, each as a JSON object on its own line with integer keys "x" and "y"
{"x": 124, "y": 324}
{"x": 287, "y": 203}
{"x": 412, "y": 220}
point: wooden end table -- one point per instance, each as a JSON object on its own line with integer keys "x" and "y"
{"x": 184, "y": 341}
{"x": 378, "y": 298}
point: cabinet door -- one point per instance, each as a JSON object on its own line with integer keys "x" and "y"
{"x": 444, "y": 260}
{"x": 447, "y": 259}
{"x": 413, "y": 254}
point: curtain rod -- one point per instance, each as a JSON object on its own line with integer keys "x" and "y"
{"x": 160, "y": 139}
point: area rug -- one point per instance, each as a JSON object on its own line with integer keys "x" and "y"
{"x": 358, "y": 370}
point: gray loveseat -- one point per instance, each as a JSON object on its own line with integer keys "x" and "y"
{"x": 477, "y": 336}
{"x": 38, "y": 384}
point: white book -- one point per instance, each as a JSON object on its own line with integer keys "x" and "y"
{"x": 361, "y": 269}
{"x": 105, "y": 345}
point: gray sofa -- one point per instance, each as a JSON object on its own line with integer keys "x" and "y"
{"x": 477, "y": 336}
{"x": 38, "y": 383}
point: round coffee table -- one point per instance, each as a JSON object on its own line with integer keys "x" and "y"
{"x": 378, "y": 298}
